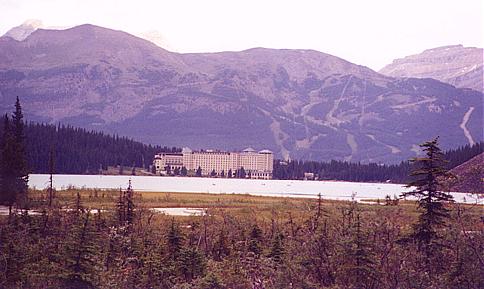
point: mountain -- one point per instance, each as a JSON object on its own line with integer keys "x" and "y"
{"x": 457, "y": 65}
{"x": 299, "y": 103}
{"x": 24, "y": 30}
{"x": 469, "y": 176}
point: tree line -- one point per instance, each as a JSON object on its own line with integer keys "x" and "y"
{"x": 80, "y": 151}
{"x": 361, "y": 172}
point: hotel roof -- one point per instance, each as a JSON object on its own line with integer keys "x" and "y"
{"x": 249, "y": 150}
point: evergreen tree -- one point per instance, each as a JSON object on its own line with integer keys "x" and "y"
{"x": 277, "y": 249}
{"x": 19, "y": 157}
{"x": 129, "y": 204}
{"x": 176, "y": 171}
{"x": 241, "y": 173}
{"x": 213, "y": 173}
{"x": 191, "y": 263}
{"x": 14, "y": 174}
{"x": 51, "y": 176}
{"x": 221, "y": 246}
{"x": 211, "y": 281}
{"x": 255, "y": 239}
{"x": 431, "y": 200}
{"x": 198, "y": 172}
{"x": 229, "y": 173}
{"x": 363, "y": 268}
{"x": 174, "y": 240}
{"x": 80, "y": 247}
{"x": 184, "y": 171}
{"x": 121, "y": 208}
{"x": 7, "y": 190}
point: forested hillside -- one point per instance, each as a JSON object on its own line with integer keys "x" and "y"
{"x": 79, "y": 151}
{"x": 357, "y": 172}
{"x": 469, "y": 176}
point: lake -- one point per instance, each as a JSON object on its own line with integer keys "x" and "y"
{"x": 334, "y": 190}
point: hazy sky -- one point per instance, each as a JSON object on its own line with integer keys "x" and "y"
{"x": 366, "y": 32}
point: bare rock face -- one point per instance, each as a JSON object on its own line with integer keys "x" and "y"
{"x": 298, "y": 103}
{"x": 456, "y": 65}
{"x": 22, "y": 31}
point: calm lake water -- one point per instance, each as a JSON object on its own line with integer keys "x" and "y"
{"x": 280, "y": 188}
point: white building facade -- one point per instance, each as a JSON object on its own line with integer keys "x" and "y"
{"x": 256, "y": 165}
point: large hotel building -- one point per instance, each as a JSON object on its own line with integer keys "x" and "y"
{"x": 257, "y": 165}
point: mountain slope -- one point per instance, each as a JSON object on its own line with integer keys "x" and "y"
{"x": 456, "y": 65}
{"x": 299, "y": 103}
{"x": 469, "y": 176}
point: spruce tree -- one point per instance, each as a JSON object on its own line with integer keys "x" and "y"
{"x": 221, "y": 246}
{"x": 198, "y": 172}
{"x": 429, "y": 171}
{"x": 168, "y": 170}
{"x": 241, "y": 173}
{"x": 255, "y": 239}
{"x": 174, "y": 240}
{"x": 129, "y": 204}
{"x": 51, "y": 174}
{"x": 191, "y": 263}
{"x": 121, "y": 208}
{"x": 277, "y": 249}
{"x": 14, "y": 175}
{"x": 363, "y": 267}
{"x": 80, "y": 251}
{"x": 7, "y": 190}
{"x": 176, "y": 171}
{"x": 19, "y": 167}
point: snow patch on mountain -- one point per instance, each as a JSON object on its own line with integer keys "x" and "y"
{"x": 22, "y": 31}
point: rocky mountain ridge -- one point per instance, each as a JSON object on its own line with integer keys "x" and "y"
{"x": 298, "y": 103}
{"x": 22, "y": 31}
{"x": 457, "y": 65}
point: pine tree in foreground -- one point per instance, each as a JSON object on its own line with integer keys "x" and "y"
{"x": 20, "y": 161}
{"x": 431, "y": 200}
{"x": 14, "y": 174}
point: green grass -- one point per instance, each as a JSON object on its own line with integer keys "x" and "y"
{"x": 261, "y": 207}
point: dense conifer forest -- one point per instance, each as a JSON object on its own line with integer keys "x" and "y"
{"x": 79, "y": 151}
{"x": 359, "y": 172}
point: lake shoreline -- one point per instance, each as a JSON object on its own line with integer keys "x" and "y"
{"x": 334, "y": 190}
